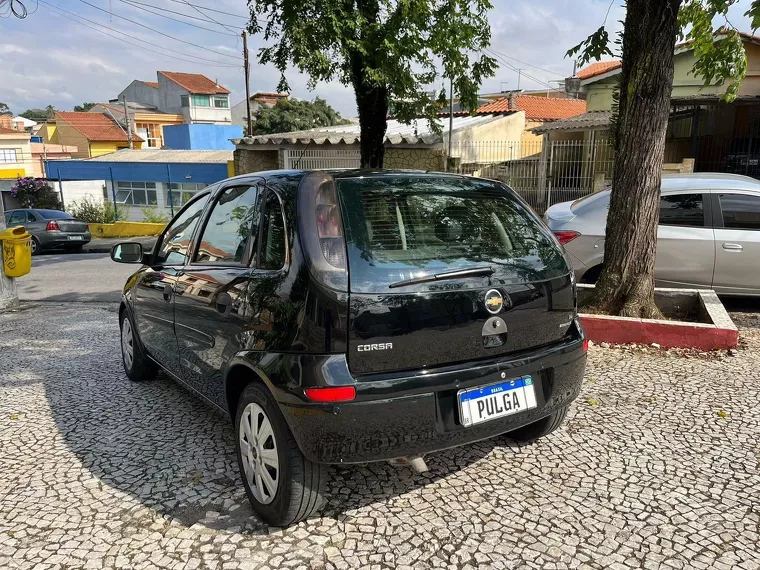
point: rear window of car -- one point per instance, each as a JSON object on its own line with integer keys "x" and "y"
{"x": 53, "y": 214}
{"x": 400, "y": 228}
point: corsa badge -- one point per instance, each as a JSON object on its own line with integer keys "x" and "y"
{"x": 494, "y": 301}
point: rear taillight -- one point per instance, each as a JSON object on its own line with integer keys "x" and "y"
{"x": 331, "y": 394}
{"x": 330, "y": 227}
{"x": 321, "y": 230}
{"x": 585, "y": 345}
{"x": 566, "y": 236}
{"x": 52, "y": 225}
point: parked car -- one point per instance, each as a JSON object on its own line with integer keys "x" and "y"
{"x": 708, "y": 237}
{"x": 356, "y": 316}
{"x": 50, "y": 229}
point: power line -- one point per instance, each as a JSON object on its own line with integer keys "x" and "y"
{"x": 210, "y": 9}
{"x": 139, "y": 45}
{"x": 134, "y": 5}
{"x": 513, "y": 68}
{"x": 159, "y": 32}
{"x": 525, "y": 63}
{"x": 135, "y": 2}
{"x": 194, "y": 7}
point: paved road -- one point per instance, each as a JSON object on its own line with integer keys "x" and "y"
{"x": 656, "y": 467}
{"x": 74, "y": 277}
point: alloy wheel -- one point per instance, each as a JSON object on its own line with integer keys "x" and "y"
{"x": 258, "y": 450}
{"x": 127, "y": 343}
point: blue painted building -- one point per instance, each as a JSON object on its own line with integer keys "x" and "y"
{"x": 201, "y": 137}
{"x": 141, "y": 181}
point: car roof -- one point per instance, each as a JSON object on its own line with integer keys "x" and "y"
{"x": 709, "y": 181}
{"x": 345, "y": 173}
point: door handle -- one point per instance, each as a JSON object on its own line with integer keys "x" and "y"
{"x": 168, "y": 293}
{"x": 224, "y": 304}
{"x": 732, "y": 247}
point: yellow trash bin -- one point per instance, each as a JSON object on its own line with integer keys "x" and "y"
{"x": 17, "y": 251}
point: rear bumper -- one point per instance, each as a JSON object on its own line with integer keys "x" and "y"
{"x": 397, "y": 416}
{"x": 62, "y": 239}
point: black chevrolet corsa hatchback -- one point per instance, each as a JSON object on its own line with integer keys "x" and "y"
{"x": 354, "y": 316}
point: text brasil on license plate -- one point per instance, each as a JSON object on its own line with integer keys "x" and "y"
{"x": 485, "y": 403}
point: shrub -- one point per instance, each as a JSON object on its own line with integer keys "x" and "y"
{"x": 95, "y": 211}
{"x": 153, "y": 216}
{"x": 35, "y": 193}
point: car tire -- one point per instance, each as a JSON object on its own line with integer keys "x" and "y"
{"x": 136, "y": 365}
{"x": 36, "y": 246}
{"x": 540, "y": 428}
{"x": 289, "y": 492}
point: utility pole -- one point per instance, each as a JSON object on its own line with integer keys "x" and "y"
{"x": 129, "y": 123}
{"x": 451, "y": 119}
{"x": 519, "y": 73}
{"x": 8, "y": 291}
{"x": 247, "y": 83}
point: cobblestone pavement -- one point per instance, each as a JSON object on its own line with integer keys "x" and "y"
{"x": 657, "y": 466}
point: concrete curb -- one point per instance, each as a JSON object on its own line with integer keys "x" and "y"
{"x": 719, "y": 332}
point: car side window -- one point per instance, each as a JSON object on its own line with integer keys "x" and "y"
{"x": 682, "y": 210}
{"x": 17, "y": 218}
{"x": 177, "y": 239}
{"x": 740, "y": 211}
{"x": 230, "y": 232}
{"x": 30, "y": 217}
{"x": 273, "y": 246}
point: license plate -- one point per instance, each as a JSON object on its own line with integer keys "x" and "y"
{"x": 485, "y": 403}
{"x": 78, "y": 238}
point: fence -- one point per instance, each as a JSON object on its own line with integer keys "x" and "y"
{"x": 542, "y": 174}
{"x": 316, "y": 159}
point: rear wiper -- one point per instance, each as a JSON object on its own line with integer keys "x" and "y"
{"x": 441, "y": 276}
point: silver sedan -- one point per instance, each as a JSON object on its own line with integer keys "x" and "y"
{"x": 708, "y": 237}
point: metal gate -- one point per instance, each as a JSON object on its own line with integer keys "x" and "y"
{"x": 319, "y": 159}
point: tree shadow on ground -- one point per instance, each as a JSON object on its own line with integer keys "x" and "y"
{"x": 159, "y": 444}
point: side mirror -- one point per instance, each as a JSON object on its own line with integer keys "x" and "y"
{"x": 127, "y": 252}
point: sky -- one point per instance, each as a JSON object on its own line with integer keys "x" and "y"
{"x": 54, "y": 57}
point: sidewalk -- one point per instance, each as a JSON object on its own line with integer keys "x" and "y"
{"x": 104, "y": 245}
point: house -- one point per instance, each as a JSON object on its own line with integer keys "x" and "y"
{"x": 258, "y": 100}
{"x": 15, "y": 161}
{"x": 475, "y": 140}
{"x": 42, "y": 152}
{"x": 194, "y": 96}
{"x": 93, "y": 134}
{"x": 140, "y": 182}
{"x": 718, "y": 136}
{"x": 145, "y": 120}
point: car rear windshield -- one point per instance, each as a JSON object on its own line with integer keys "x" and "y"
{"x": 53, "y": 214}
{"x": 401, "y": 228}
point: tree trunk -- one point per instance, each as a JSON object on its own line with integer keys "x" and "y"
{"x": 626, "y": 284}
{"x": 372, "y": 104}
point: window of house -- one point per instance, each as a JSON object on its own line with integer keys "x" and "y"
{"x": 682, "y": 210}
{"x": 8, "y": 155}
{"x": 200, "y": 101}
{"x": 140, "y": 193}
{"x": 150, "y": 133}
{"x": 273, "y": 236}
{"x": 231, "y": 228}
{"x": 740, "y": 211}
{"x": 184, "y": 101}
{"x": 180, "y": 194}
{"x": 221, "y": 101}
{"x": 176, "y": 241}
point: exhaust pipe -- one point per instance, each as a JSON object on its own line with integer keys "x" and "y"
{"x": 416, "y": 462}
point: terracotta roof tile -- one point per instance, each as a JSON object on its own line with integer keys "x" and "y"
{"x": 6, "y": 131}
{"x": 598, "y": 68}
{"x": 153, "y": 84}
{"x": 95, "y": 126}
{"x": 194, "y": 83}
{"x": 538, "y": 108}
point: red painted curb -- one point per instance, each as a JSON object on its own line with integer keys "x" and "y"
{"x": 623, "y": 330}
